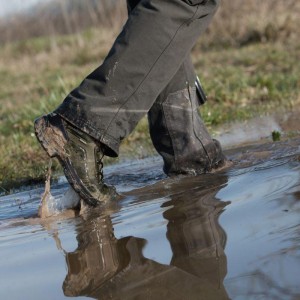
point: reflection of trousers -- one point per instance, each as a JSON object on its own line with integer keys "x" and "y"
{"x": 104, "y": 267}
{"x": 148, "y": 69}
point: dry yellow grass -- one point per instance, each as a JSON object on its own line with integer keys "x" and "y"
{"x": 239, "y": 22}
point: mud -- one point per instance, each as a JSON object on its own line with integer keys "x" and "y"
{"x": 229, "y": 235}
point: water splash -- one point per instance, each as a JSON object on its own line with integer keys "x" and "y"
{"x": 50, "y": 205}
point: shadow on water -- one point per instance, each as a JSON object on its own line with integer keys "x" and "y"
{"x": 231, "y": 235}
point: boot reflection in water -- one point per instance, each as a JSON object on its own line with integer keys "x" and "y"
{"x": 97, "y": 259}
{"x": 106, "y": 268}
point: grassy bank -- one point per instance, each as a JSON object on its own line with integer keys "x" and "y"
{"x": 242, "y": 80}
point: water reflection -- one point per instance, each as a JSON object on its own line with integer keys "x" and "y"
{"x": 104, "y": 267}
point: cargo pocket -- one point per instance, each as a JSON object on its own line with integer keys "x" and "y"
{"x": 196, "y": 2}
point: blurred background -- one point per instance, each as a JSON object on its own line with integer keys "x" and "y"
{"x": 237, "y": 23}
{"x": 248, "y": 62}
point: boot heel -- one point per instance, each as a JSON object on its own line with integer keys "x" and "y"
{"x": 40, "y": 126}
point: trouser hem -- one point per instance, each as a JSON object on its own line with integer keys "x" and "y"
{"x": 112, "y": 145}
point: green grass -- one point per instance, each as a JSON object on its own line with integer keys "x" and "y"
{"x": 36, "y": 75}
{"x": 244, "y": 82}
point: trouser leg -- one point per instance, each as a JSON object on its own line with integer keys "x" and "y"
{"x": 144, "y": 58}
{"x": 131, "y": 4}
{"x": 177, "y": 130}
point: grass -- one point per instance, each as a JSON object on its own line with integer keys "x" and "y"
{"x": 259, "y": 77}
{"x": 247, "y": 81}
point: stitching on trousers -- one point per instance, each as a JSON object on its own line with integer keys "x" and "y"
{"x": 166, "y": 105}
{"x": 169, "y": 128}
{"x": 195, "y": 133}
{"x": 186, "y": 22}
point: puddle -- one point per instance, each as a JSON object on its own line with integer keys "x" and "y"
{"x": 232, "y": 235}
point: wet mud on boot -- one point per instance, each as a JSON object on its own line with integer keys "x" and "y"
{"x": 79, "y": 155}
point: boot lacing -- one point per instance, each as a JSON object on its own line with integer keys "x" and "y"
{"x": 99, "y": 157}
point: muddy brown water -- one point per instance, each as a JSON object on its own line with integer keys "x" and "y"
{"x": 229, "y": 235}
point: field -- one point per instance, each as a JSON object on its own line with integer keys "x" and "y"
{"x": 248, "y": 62}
